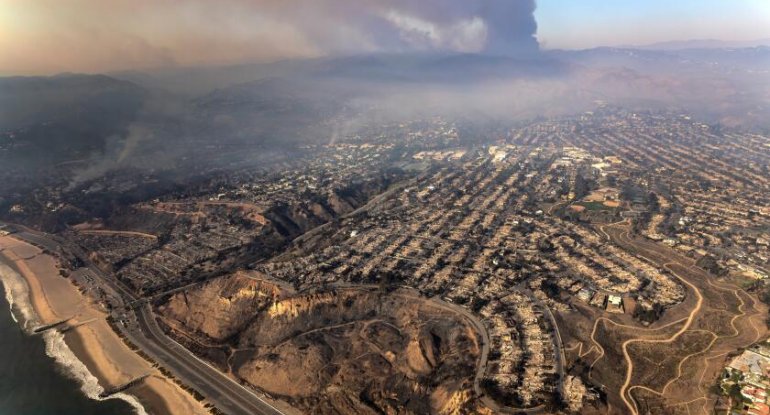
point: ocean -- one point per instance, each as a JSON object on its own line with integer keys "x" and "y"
{"x": 39, "y": 375}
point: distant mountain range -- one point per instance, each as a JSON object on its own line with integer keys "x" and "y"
{"x": 51, "y": 119}
{"x": 169, "y": 111}
{"x": 703, "y": 44}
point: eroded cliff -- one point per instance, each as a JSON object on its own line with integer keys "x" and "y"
{"x": 336, "y": 350}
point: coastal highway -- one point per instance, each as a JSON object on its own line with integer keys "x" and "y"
{"x": 140, "y": 328}
{"x": 228, "y": 395}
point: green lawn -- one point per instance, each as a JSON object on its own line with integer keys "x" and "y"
{"x": 594, "y": 206}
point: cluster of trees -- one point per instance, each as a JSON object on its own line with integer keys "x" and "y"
{"x": 710, "y": 264}
{"x": 630, "y": 191}
{"x": 493, "y": 388}
{"x": 648, "y": 315}
{"x": 582, "y": 186}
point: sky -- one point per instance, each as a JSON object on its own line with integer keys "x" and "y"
{"x": 567, "y": 24}
{"x": 52, "y": 36}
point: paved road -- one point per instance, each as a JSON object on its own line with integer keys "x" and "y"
{"x": 559, "y": 358}
{"x": 481, "y": 367}
{"x": 141, "y": 328}
{"x": 555, "y": 337}
{"x": 228, "y": 395}
{"x": 224, "y": 392}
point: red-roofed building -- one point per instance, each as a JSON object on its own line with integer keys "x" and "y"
{"x": 756, "y": 395}
{"x": 759, "y": 409}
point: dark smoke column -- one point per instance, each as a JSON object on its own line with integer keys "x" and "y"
{"x": 511, "y": 27}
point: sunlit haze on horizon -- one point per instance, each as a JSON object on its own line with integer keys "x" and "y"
{"x": 592, "y": 23}
{"x": 277, "y": 207}
{"x": 49, "y": 36}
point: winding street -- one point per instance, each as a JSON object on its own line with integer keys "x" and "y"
{"x": 628, "y": 400}
{"x": 140, "y": 327}
{"x": 629, "y": 362}
{"x": 142, "y": 330}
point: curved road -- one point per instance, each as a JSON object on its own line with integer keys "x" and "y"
{"x": 141, "y": 329}
{"x": 228, "y": 395}
{"x": 224, "y": 392}
{"x": 630, "y": 404}
{"x": 685, "y": 327}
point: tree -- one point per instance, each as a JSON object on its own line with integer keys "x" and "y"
{"x": 627, "y": 191}
{"x": 735, "y": 392}
{"x": 387, "y": 282}
{"x": 653, "y": 202}
{"x": 710, "y": 264}
{"x": 581, "y": 187}
{"x": 545, "y": 245}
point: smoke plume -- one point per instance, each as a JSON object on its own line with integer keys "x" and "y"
{"x": 500, "y": 27}
{"x": 99, "y": 36}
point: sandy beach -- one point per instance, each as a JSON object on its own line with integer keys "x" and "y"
{"x": 92, "y": 341}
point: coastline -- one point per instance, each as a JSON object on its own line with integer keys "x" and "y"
{"x": 90, "y": 352}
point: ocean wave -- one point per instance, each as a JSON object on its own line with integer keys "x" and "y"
{"x": 56, "y": 348}
{"x": 17, "y": 294}
{"x": 9, "y": 298}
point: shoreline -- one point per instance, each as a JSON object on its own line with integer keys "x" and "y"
{"x": 91, "y": 353}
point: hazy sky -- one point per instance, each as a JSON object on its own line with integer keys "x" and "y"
{"x": 50, "y": 36}
{"x": 588, "y": 23}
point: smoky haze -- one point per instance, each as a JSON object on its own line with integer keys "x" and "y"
{"x": 505, "y": 27}
{"x": 379, "y": 62}
{"x": 323, "y": 100}
{"x": 95, "y": 36}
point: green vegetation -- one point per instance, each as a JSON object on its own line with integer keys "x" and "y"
{"x": 594, "y": 206}
{"x": 710, "y": 264}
